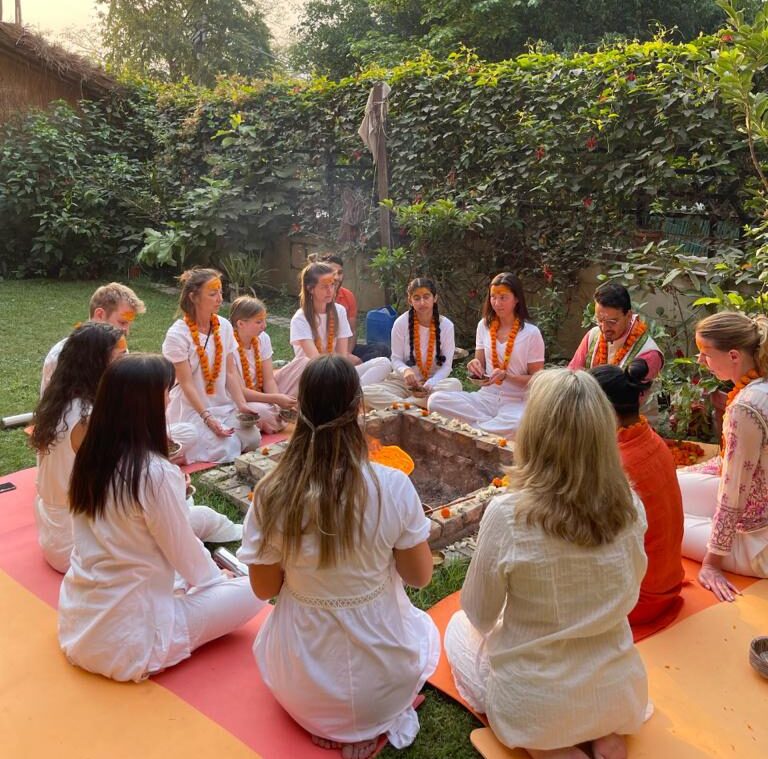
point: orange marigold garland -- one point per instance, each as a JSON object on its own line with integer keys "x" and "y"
{"x": 639, "y": 328}
{"x": 209, "y": 376}
{"x": 246, "y": 365}
{"x": 510, "y": 346}
{"x": 737, "y": 388}
{"x": 684, "y": 452}
{"x": 330, "y": 331}
{"x": 424, "y": 368}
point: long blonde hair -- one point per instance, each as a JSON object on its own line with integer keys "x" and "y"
{"x": 318, "y": 487}
{"x": 309, "y": 277}
{"x": 567, "y": 466}
{"x": 245, "y": 307}
{"x": 732, "y": 330}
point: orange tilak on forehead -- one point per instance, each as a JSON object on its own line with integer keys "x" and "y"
{"x": 128, "y": 315}
{"x": 422, "y": 292}
{"x": 498, "y": 290}
{"x": 327, "y": 279}
{"x": 213, "y": 284}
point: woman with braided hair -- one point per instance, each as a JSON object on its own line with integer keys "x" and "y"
{"x": 725, "y": 499}
{"x": 422, "y": 352}
{"x": 334, "y": 537}
{"x": 509, "y": 350}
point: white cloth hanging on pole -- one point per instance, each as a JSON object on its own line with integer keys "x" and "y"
{"x": 372, "y": 126}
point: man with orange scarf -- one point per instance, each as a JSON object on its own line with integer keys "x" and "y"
{"x": 651, "y": 472}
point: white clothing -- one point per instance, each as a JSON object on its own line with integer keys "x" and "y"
{"x": 269, "y": 413}
{"x": 548, "y": 655}
{"x": 118, "y": 615}
{"x": 300, "y": 330}
{"x": 178, "y": 346}
{"x": 495, "y": 409}
{"x": 394, "y": 390}
{"x": 370, "y": 372}
{"x": 344, "y": 651}
{"x": 54, "y": 468}
{"x": 49, "y": 365}
{"x": 401, "y": 349}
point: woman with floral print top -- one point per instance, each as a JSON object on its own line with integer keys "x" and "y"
{"x": 725, "y": 500}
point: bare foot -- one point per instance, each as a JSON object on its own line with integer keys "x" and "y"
{"x": 611, "y": 746}
{"x": 359, "y": 750}
{"x": 572, "y": 752}
{"x": 325, "y": 743}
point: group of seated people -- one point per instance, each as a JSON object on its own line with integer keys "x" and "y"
{"x": 540, "y": 646}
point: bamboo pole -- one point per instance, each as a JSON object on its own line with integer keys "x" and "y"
{"x": 18, "y": 12}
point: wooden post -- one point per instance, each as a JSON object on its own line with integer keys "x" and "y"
{"x": 18, "y": 12}
{"x": 382, "y": 170}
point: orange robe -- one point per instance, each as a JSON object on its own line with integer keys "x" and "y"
{"x": 650, "y": 469}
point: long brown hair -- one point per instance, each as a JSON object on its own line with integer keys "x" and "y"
{"x": 319, "y": 487}
{"x": 127, "y": 424}
{"x": 516, "y": 286}
{"x": 191, "y": 281}
{"x": 309, "y": 277}
{"x": 567, "y": 466}
{"x": 82, "y": 361}
{"x": 732, "y": 330}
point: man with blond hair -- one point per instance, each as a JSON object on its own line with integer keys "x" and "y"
{"x": 113, "y": 304}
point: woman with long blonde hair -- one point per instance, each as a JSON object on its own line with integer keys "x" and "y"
{"x": 725, "y": 500}
{"x": 320, "y": 325}
{"x": 543, "y": 645}
{"x": 334, "y": 537}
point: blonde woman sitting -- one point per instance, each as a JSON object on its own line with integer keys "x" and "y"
{"x": 543, "y": 645}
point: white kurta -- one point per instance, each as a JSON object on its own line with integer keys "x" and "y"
{"x": 204, "y": 445}
{"x": 118, "y": 615}
{"x": 393, "y": 388}
{"x": 269, "y": 413}
{"x": 370, "y": 372}
{"x": 548, "y": 655}
{"x": 54, "y": 468}
{"x": 345, "y": 652}
{"x": 495, "y": 409}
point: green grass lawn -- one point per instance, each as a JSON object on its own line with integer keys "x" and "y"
{"x": 34, "y": 314}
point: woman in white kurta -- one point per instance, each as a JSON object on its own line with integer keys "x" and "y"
{"x": 312, "y": 333}
{"x": 208, "y": 395}
{"x": 60, "y": 421}
{"x": 422, "y": 352}
{"x": 509, "y": 350}
{"x": 543, "y": 645}
{"x": 344, "y": 651}
{"x": 270, "y": 393}
{"x": 725, "y": 500}
{"x": 118, "y": 613}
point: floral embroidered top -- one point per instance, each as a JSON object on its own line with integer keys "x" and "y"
{"x": 742, "y": 498}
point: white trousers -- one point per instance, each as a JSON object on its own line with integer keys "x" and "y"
{"x": 749, "y": 553}
{"x": 488, "y": 409}
{"x": 466, "y": 652}
{"x": 394, "y": 390}
{"x": 373, "y": 371}
{"x": 206, "y": 614}
{"x": 200, "y": 443}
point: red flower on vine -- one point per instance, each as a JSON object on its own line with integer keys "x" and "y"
{"x": 727, "y": 37}
{"x": 591, "y": 143}
{"x": 587, "y": 202}
{"x": 357, "y": 154}
{"x": 295, "y": 228}
{"x": 695, "y": 380}
{"x": 417, "y": 198}
{"x": 472, "y": 293}
{"x": 548, "y": 274}
{"x": 679, "y": 353}
{"x": 631, "y": 76}
{"x": 540, "y": 152}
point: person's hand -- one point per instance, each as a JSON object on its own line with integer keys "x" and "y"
{"x": 713, "y": 579}
{"x": 187, "y": 480}
{"x": 217, "y": 428}
{"x": 410, "y": 378}
{"x": 497, "y": 376}
{"x": 475, "y": 368}
{"x": 285, "y": 401}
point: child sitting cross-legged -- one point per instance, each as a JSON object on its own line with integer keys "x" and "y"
{"x": 543, "y": 645}
{"x": 334, "y": 537}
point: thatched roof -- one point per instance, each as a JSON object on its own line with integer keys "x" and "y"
{"x": 20, "y": 44}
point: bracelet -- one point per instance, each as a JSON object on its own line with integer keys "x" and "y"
{"x": 205, "y": 413}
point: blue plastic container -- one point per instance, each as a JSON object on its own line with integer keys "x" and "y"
{"x": 378, "y": 325}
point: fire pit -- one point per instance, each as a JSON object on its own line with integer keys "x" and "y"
{"x": 455, "y": 466}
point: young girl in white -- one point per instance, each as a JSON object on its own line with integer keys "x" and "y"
{"x": 422, "y": 352}
{"x": 208, "y": 394}
{"x": 334, "y": 537}
{"x": 509, "y": 350}
{"x": 118, "y": 613}
{"x": 725, "y": 499}
{"x": 321, "y": 325}
{"x": 543, "y": 645}
{"x": 266, "y": 390}
{"x": 61, "y": 419}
